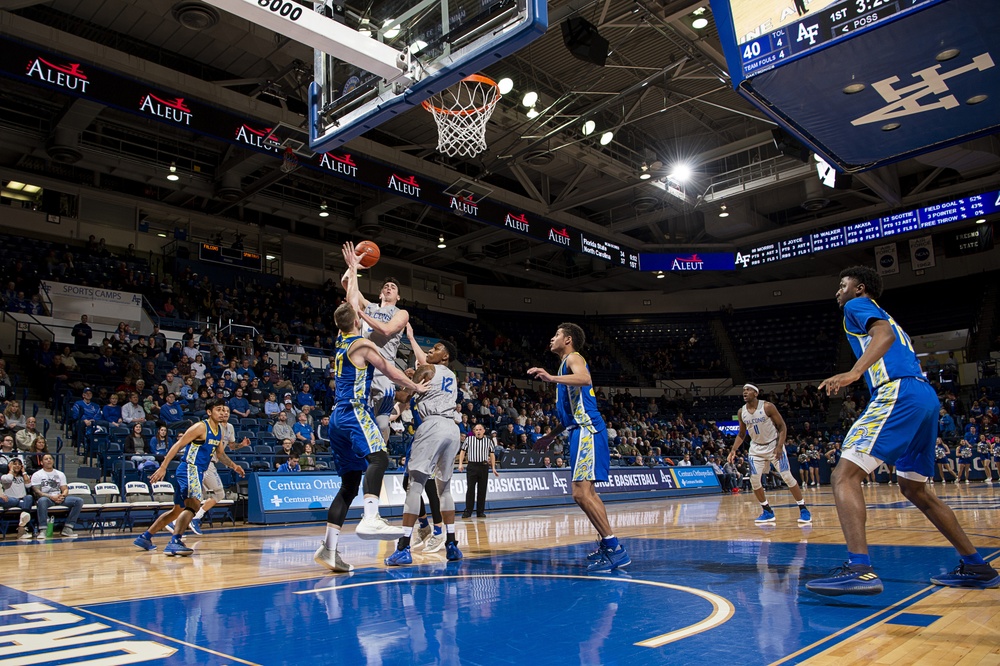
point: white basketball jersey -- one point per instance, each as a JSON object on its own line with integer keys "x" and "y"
{"x": 760, "y": 427}
{"x": 387, "y": 346}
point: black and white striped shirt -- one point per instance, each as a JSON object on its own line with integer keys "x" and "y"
{"x": 478, "y": 449}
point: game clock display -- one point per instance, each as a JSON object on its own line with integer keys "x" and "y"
{"x": 767, "y": 33}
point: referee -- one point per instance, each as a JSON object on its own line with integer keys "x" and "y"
{"x": 478, "y": 450}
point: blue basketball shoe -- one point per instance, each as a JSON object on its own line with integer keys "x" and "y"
{"x": 399, "y": 557}
{"x": 144, "y": 543}
{"x": 177, "y": 548}
{"x": 976, "y": 576}
{"x": 848, "y": 579}
{"x": 451, "y": 551}
{"x": 611, "y": 559}
{"x": 804, "y": 516}
{"x": 766, "y": 516}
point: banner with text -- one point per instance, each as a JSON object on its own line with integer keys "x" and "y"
{"x": 921, "y": 253}
{"x": 102, "y": 306}
{"x": 886, "y": 260}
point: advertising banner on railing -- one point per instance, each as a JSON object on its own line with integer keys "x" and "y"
{"x": 102, "y": 306}
{"x": 304, "y": 491}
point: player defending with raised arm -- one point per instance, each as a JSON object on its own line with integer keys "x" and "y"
{"x": 434, "y": 449}
{"x": 383, "y": 325}
{"x": 354, "y": 437}
{"x": 589, "y": 455}
{"x": 199, "y": 442}
{"x": 898, "y": 426}
{"x": 760, "y": 420}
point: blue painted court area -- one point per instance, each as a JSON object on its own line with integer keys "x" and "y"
{"x": 693, "y": 602}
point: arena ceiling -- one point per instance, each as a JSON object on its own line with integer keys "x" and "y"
{"x": 664, "y": 91}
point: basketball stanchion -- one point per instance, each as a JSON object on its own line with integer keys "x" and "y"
{"x": 461, "y": 113}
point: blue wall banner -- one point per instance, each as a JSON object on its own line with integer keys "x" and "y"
{"x": 280, "y": 498}
{"x": 690, "y": 262}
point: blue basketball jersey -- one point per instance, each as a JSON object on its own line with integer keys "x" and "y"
{"x": 576, "y": 405}
{"x": 899, "y": 362}
{"x": 353, "y": 383}
{"x": 199, "y": 453}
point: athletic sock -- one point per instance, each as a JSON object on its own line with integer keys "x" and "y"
{"x": 175, "y": 538}
{"x": 766, "y": 506}
{"x": 610, "y": 542}
{"x": 371, "y": 507}
{"x": 199, "y": 515}
{"x": 975, "y": 558}
{"x": 859, "y": 558}
{"x": 404, "y": 542}
{"x": 450, "y": 527}
{"x": 147, "y": 535}
{"x": 407, "y": 531}
{"x": 332, "y": 535}
{"x": 437, "y": 530}
{"x": 801, "y": 503}
{"x": 423, "y": 521}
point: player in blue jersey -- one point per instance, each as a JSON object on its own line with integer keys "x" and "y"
{"x": 898, "y": 426}
{"x": 355, "y": 439}
{"x": 590, "y": 457}
{"x": 199, "y": 443}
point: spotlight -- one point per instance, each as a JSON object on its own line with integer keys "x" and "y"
{"x": 606, "y": 138}
{"x": 723, "y": 212}
{"x": 660, "y": 275}
{"x": 441, "y": 244}
{"x": 270, "y": 257}
{"x": 392, "y": 32}
{"x": 532, "y": 113}
{"x": 645, "y": 176}
{"x": 981, "y": 220}
{"x": 588, "y": 127}
{"x": 530, "y": 99}
{"x": 172, "y": 176}
{"x": 681, "y": 173}
{"x": 505, "y": 85}
{"x": 323, "y": 212}
{"x": 699, "y": 23}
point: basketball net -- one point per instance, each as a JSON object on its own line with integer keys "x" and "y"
{"x": 289, "y": 162}
{"x": 461, "y": 113}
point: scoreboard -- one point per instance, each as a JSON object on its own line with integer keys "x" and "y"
{"x": 772, "y": 32}
{"x": 225, "y": 255}
{"x": 968, "y": 208}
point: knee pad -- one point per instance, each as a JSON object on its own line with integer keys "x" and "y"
{"x": 411, "y": 504}
{"x": 378, "y": 462}
{"x": 382, "y": 421}
{"x": 789, "y": 480}
{"x": 445, "y": 499}
{"x": 189, "y": 510}
{"x": 755, "y": 482}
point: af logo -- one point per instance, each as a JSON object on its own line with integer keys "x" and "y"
{"x": 666, "y": 479}
{"x": 905, "y": 101}
{"x": 559, "y": 482}
{"x": 276, "y": 501}
{"x": 742, "y": 259}
{"x": 808, "y": 32}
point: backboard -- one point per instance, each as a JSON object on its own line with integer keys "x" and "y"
{"x": 439, "y": 43}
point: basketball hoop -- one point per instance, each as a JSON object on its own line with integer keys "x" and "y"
{"x": 289, "y": 162}
{"x": 461, "y": 113}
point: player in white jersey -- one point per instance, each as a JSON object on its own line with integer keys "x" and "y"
{"x": 766, "y": 429}
{"x": 434, "y": 449}
{"x": 383, "y": 324}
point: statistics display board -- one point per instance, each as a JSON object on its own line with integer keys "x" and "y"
{"x": 929, "y": 217}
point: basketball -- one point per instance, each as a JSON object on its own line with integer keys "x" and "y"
{"x": 369, "y": 253}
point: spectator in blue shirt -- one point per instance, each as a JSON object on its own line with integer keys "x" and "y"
{"x": 112, "y": 412}
{"x": 86, "y": 411}
{"x": 170, "y": 411}
{"x": 290, "y": 465}
{"x": 946, "y": 425}
{"x": 305, "y": 397}
{"x": 239, "y": 405}
{"x": 245, "y": 371}
{"x": 303, "y": 431}
{"x": 107, "y": 364}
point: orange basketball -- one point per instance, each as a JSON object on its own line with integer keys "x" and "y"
{"x": 369, "y": 253}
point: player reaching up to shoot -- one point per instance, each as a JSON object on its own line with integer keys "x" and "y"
{"x": 589, "y": 455}
{"x": 355, "y": 439}
{"x": 766, "y": 429}
{"x": 898, "y": 426}
{"x": 383, "y": 325}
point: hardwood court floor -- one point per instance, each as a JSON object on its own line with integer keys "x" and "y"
{"x": 706, "y": 584}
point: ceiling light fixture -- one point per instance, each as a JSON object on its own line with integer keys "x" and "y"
{"x": 530, "y": 99}
{"x": 15, "y": 185}
{"x": 981, "y": 220}
{"x": 532, "y": 112}
{"x": 392, "y": 32}
{"x": 723, "y": 212}
{"x": 323, "y": 212}
{"x": 660, "y": 275}
{"x": 699, "y": 23}
{"x": 172, "y": 176}
{"x": 270, "y": 257}
{"x": 505, "y": 85}
{"x": 31, "y": 189}
{"x": 645, "y": 176}
{"x": 588, "y": 127}
{"x": 681, "y": 173}
{"x": 607, "y": 137}
{"x": 441, "y": 244}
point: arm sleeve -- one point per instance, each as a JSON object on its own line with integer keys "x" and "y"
{"x": 859, "y": 313}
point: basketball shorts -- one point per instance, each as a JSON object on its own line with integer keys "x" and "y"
{"x": 898, "y": 427}
{"x": 188, "y": 484}
{"x": 353, "y": 436}
{"x": 762, "y": 459}
{"x": 434, "y": 447}
{"x": 211, "y": 483}
{"x": 382, "y": 397}
{"x": 589, "y": 455}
